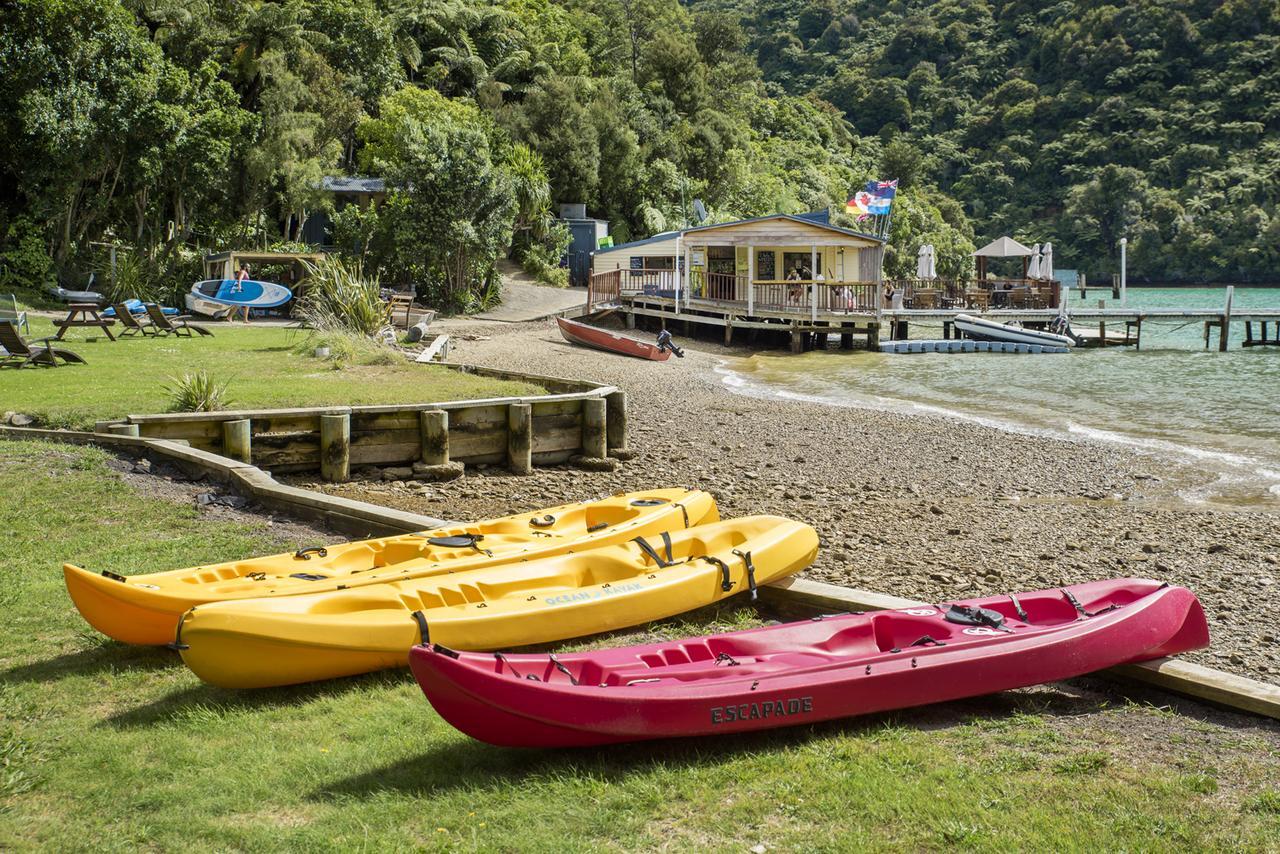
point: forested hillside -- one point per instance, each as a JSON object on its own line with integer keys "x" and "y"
{"x": 171, "y": 126}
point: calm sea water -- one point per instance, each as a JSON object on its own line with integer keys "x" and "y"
{"x": 1220, "y": 411}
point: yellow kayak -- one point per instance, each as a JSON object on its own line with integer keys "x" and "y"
{"x": 286, "y": 640}
{"x": 145, "y": 609}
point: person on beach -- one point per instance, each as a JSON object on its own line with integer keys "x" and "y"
{"x": 238, "y": 287}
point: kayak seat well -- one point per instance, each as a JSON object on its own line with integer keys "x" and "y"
{"x": 901, "y": 631}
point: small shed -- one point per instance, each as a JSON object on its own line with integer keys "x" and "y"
{"x": 318, "y": 229}
{"x": 585, "y": 235}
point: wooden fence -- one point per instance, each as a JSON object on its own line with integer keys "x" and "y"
{"x": 519, "y": 432}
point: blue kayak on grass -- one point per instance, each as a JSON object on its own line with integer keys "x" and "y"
{"x": 252, "y": 293}
{"x": 135, "y": 306}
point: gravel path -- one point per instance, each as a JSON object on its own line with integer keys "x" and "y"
{"x": 917, "y": 506}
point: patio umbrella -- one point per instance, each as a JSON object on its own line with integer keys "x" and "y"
{"x": 922, "y": 262}
{"x": 1046, "y": 261}
{"x": 1033, "y": 269}
{"x": 931, "y": 265}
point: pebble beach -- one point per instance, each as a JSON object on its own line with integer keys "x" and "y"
{"x": 920, "y": 506}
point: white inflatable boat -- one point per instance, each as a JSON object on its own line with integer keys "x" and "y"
{"x": 989, "y": 330}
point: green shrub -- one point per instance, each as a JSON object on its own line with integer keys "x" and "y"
{"x": 197, "y": 392}
{"x": 24, "y": 256}
{"x": 539, "y": 262}
{"x": 339, "y": 298}
{"x": 346, "y": 348}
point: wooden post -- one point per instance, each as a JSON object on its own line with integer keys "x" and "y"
{"x": 797, "y": 340}
{"x": 123, "y": 429}
{"x": 1248, "y": 333}
{"x": 1102, "y": 327}
{"x": 520, "y": 438}
{"x": 1226, "y": 320}
{"x": 631, "y": 320}
{"x": 1137, "y": 343}
{"x": 728, "y": 329}
{"x": 616, "y": 421}
{"x": 433, "y": 431}
{"x": 594, "y": 431}
{"x": 236, "y": 440}
{"x": 335, "y": 447}
{"x": 813, "y": 302}
{"x": 751, "y": 279}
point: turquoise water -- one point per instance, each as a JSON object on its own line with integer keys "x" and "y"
{"x": 1220, "y": 411}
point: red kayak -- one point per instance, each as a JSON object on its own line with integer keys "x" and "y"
{"x": 603, "y": 339}
{"x": 799, "y": 673}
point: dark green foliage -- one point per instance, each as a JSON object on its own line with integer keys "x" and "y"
{"x": 1079, "y": 122}
{"x": 171, "y": 128}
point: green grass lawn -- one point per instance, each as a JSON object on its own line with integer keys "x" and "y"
{"x": 109, "y": 747}
{"x": 262, "y": 364}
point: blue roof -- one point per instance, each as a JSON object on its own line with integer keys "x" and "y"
{"x": 818, "y": 218}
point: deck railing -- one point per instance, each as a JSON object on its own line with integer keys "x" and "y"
{"x": 978, "y": 293}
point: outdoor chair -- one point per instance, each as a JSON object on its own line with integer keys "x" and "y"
{"x": 977, "y": 298}
{"x": 131, "y": 323}
{"x": 19, "y": 353}
{"x": 174, "y": 325}
{"x": 1018, "y": 298}
{"x": 11, "y": 314}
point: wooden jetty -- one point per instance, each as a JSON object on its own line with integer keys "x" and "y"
{"x": 809, "y": 314}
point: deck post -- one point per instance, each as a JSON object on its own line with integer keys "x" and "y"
{"x": 594, "y": 421}
{"x": 616, "y": 422}
{"x": 1226, "y": 320}
{"x": 520, "y": 438}
{"x": 797, "y": 340}
{"x": 631, "y": 320}
{"x": 433, "y": 430}
{"x": 335, "y": 447}
{"x": 728, "y": 329}
{"x": 873, "y": 335}
{"x": 1137, "y": 341}
{"x": 236, "y": 441}
{"x": 751, "y": 279}
{"x": 813, "y": 302}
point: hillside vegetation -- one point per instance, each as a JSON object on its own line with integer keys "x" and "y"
{"x": 168, "y": 127}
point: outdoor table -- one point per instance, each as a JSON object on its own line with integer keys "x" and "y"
{"x": 83, "y": 314}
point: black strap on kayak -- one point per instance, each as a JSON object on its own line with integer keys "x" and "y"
{"x": 599, "y": 526}
{"x": 751, "y": 572}
{"x": 1017, "y": 606}
{"x": 543, "y": 521}
{"x": 305, "y": 554}
{"x": 684, "y": 512}
{"x": 726, "y": 582}
{"x": 573, "y": 680}
{"x": 421, "y": 619}
{"x": 444, "y": 650}
{"x": 114, "y": 576}
{"x": 927, "y": 640}
{"x": 256, "y": 576}
{"x": 461, "y": 541}
{"x": 666, "y": 546}
{"x": 727, "y": 660}
{"x": 651, "y": 552}
{"x": 529, "y": 676}
{"x": 178, "y": 645}
{"x": 1075, "y": 603}
{"x": 308, "y": 576}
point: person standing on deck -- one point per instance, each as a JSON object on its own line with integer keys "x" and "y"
{"x": 241, "y": 277}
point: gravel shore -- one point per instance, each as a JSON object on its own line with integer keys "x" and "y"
{"x": 913, "y": 505}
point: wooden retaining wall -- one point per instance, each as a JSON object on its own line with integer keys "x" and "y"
{"x": 576, "y": 419}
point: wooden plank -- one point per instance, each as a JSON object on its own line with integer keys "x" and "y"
{"x": 1205, "y": 683}
{"x": 371, "y": 455}
{"x": 406, "y": 419}
{"x": 286, "y": 424}
{"x": 1169, "y": 674}
{"x": 384, "y": 437}
{"x": 567, "y": 438}
{"x": 181, "y": 430}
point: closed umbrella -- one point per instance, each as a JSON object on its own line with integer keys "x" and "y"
{"x": 1033, "y": 269}
{"x": 932, "y": 266}
{"x": 922, "y": 262}
{"x": 1046, "y": 262}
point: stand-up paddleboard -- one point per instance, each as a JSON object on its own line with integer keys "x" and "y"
{"x": 989, "y": 330}
{"x": 252, "y": 293}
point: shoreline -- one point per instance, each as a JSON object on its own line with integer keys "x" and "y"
{"x": 917, "y": 505}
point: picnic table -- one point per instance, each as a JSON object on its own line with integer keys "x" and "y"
{"x": 83, "y": 314}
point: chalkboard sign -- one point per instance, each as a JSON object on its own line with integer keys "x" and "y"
{"x": 637, "y": 262}
{"x": 764, "y": 267}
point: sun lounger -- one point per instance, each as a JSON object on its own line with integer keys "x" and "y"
{"x": 132, "y": 324}
{"x": 20, "y": 353}
{"x": 11, "y": 314}
{"x": 174, "y": 325}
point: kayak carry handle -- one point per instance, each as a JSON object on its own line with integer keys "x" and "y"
{"x": 305, "y": 554}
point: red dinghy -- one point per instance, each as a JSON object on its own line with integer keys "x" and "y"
{"x": 603, "y": 339}
{"x": 798, "y": 673}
